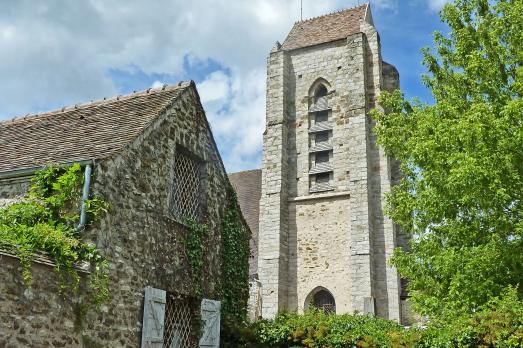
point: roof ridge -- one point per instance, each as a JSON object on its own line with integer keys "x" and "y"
{"x": 105, "y": 100}
{"x": 245, "y": 171}
{"x": 332, "y": 13}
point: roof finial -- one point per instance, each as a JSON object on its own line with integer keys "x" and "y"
{"x": 301, "y": 10}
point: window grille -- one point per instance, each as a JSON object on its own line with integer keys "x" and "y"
{"x": 325, "y": 301}
{"x": 178, "y": 323}
{"x": 322, "y": 157}
{"x": 187, "y": 186}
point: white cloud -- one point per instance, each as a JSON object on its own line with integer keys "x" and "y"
{"x": 215, "y": 87}
{"x": 59, "y": 53}
{"x": 436, "y": 5}
{"x": 157, "y": 84}
{"x": 235, "y": 107}
{"x": 391, "y": 5}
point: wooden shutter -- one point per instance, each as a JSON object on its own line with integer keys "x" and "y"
{"x": 153, "y": 318}
{"x": 210, "y": 312}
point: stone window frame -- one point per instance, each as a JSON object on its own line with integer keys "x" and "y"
{"x": 320, "y": 88}
{"x": 200, "y": 195}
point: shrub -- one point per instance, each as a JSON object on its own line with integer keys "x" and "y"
{"x": 497, "y": 324}
{"x": 316, "y": 329}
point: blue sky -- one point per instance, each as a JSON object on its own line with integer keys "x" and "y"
{"x": 60, "y": 52}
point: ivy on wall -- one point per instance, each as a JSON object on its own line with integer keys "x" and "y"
{"x": 233, "y": 285}
{"x": 235, "y": 251}
{"x": 44, "y": 223}
{"x": 195, "y": 249}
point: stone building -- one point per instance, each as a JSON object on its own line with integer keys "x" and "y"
{"x": 154, "y": 160}
{"x": 323, "y": 237}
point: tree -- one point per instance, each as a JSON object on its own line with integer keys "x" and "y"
{"x": 460, "y": 198}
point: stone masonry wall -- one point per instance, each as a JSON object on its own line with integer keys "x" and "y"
{"x": 273, "y": 238}
{"x": 138, "y": 236}
{"x": 320, "y": 248}
{"x": 384, "y": 239}
{"x": 351, "y": 214}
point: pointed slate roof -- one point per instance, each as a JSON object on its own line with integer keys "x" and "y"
{"x": 82, "y": 132}
{"x": 327, "y": 28}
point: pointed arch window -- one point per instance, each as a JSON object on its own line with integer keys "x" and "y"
{"x": 320, "y": 91}
{"x": 325, "y": 301}
{"x": 321, "y": 298}
{"x": 320, "y": 129}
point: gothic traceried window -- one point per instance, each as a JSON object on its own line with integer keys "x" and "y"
{"x": 186, "y": 193}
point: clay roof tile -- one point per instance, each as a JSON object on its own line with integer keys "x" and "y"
{"x": 81, "y": 132}
{"x": 327, "y": 28}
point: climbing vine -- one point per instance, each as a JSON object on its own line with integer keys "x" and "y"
{"x": 44, "y": 223}
{"x": 195, "y": 249}
{"x": 233, "y": 286}
{"x": 234, "y": 265}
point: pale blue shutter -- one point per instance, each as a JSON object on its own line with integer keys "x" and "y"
{"x": 153, "y": 318}
{"x": 210, "y": 312}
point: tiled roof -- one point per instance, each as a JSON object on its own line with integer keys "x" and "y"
{"x": 331, "y": 27}
{"x": 248, "y": 188}
{"x": 83, "y": 132}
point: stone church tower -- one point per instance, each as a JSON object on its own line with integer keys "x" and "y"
{"x": 323, "y": 236}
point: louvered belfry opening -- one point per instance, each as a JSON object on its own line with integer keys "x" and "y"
{"x": 320, "y": 146}
{"x": 178, "y": 322}
{"x": 186, "y": 197}
{"x": 325, "y": 301}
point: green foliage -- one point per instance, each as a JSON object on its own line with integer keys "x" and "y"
{"x": 462, "y": 160}
{"x": 195, "y": 249}
{"x": 234, "y": 287}
{"x": 45, "y": 223}
{"x": 316, "y": 329}
{"x": 499, "y": 323}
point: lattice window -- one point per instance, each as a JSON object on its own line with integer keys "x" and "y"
{"x": 187, "y": 187}
{"x": 325, "y": 301}
{"x": 178, "y": 318}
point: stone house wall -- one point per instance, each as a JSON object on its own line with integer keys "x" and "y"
{"x": 138, "y": 236}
